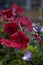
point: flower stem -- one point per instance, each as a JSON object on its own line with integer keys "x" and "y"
{"x": 20, "y": 27}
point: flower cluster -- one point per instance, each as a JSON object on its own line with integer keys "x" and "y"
{"x": 17, "y": 38}
{"x": 15, "y": 26}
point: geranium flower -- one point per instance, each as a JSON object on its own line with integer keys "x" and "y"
{"x": 19, "y": 40}
{"x": 17, "y": 9}
{"x": 26, "y": 22}
{"x": 9, "y": 14}
{"x": 6, "y": 42}
{"x": 29, "y": 28}
{"x": 18, "y": 20}
{"x": 14, "y": 7}
{"x": 27, "y": 56}
{"x": 10, "y": 28}
{"x": 3, "y": 18}
{"x": 38, "y": 38}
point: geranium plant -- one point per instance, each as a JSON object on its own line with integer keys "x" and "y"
{"x": 21, "y": 40}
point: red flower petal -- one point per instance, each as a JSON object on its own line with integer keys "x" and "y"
{"x": 19, "y": 10}
{"x": 5, "y": 42}
{"x": 38, "y": 38}
{"x": 19, "y": 39}
{"x": 9, "y": 13}
{"x": 10, "y": 28}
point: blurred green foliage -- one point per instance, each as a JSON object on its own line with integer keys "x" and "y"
{"x": 14, "y": 56}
